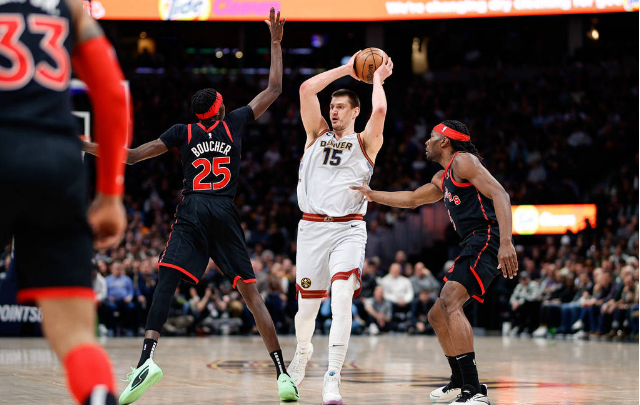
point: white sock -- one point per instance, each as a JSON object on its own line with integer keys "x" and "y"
{"x": 306, "y": 321}
{"x": 341, "y": 301}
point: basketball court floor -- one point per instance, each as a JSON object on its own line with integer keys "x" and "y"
{"x": 390, "y": 370}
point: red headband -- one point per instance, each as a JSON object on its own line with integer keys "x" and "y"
{"x": 213, "y": 110}
{"x": 451, "y": 133}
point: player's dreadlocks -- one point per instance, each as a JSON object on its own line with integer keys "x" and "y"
{"x": 203, "y": 100}
{"x": 459, "y": 145}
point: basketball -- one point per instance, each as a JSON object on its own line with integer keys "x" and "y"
{"x": 367, "y": 62}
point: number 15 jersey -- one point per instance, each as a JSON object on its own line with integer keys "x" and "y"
{"x": 211, "y": 156}
{"x": 327, "y": 169}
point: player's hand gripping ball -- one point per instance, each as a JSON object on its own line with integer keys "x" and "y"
{"x": 367, "y": 62}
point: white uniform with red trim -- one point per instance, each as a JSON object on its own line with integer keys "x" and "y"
{"x": 331, "y": 246}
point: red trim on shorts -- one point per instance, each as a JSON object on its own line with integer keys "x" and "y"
{"x": 473, "y": 268}
{"x": 345, "y": 276}
{"x": 445, "y": 279}
{"x": 188, "y": 134}
{"x": 32, "y": 294}
{"x": 324, "y": 131}
{"x": 310, "y": 294}
{"x": 171, "y": 233}
{"x": 235, "y": 281}
{"x": 475, "y": 297}
{"x": 364, "y": 151}
{"x": 326, "y": 218}
{"x": 453, "y": 265}
{"x": 180, "y": 269}
{"x": 227, "y": 129}
{"x": 210, "y": 128}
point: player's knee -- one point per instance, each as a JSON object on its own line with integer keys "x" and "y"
{"x": 434, "y": 316}
{"x": 341, "y": 299}
{"x": 448, "y": 304}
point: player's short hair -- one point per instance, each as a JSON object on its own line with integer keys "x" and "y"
{"x": 203, "y": 100}
{"x": 353, "y": 97}
{"x": 460, "y": 145}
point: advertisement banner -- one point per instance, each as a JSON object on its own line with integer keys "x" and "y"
{"x": 341, "y": 10}
{"x": 552, "y": 219}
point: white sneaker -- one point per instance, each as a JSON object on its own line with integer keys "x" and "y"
{"x": 580, "y": 335}
{"x": 331, "y": 389}
{"x": 469, "y": 396}
{"x": 446, "y": 394}
{"x": 373, "y": 329}
{"x": 578, "y": 325}
{"x": 298, "y": 365}
{"x": 540, "y": 332}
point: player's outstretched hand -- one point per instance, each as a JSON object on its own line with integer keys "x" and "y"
{"x": 275, "y": 25}
{"x": 351, "y": 66}
{"x": 364, "y": 189}
{"x": 108, "y": 221}
{"x": 508, "y": 260}
{"x": 385, "y": 70}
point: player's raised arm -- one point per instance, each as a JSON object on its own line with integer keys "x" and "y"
{"x": 469, "y": 167}
{"x": 263, "y": 100}
{"x": 310, "y": 112}
{"x": 135, "y": 155}
{"x": 427, "y": 194}
{"x": 372, "y": 134}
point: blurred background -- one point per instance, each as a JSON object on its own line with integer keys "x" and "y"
{"x": 552, "y": 105}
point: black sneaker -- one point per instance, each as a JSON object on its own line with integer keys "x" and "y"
{"x": 469, "y": 396}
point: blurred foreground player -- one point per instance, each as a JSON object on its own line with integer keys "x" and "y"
{"x": 332, "y": 234}
{"x": 44, "y": 194}
{"x": 207, "y": 222}
{"x": 470, "y": 195}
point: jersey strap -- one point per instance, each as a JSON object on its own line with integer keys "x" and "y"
{"x": 227, "y": 128}
{"x": 188, "y": 134}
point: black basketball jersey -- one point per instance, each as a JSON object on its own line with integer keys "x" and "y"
{"x": 35, "y": 68}
{"x": 468, "y": 209}
{"x": 211, "y": 156}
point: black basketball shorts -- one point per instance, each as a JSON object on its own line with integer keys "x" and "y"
{"x": 207, "y": 227}
{"x": 477, "y": 265}
{"x": 43, "y": 201}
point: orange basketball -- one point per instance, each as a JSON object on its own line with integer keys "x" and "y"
{"x": 367, "y": 62}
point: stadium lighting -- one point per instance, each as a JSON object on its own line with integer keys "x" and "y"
{"x": 595, "y": 35}
{"x": 239, "y": 54}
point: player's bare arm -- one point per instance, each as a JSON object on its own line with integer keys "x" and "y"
{"x": 427, "y": 194}
{"x": 372, "y": 134}
{"x": 84, "y": 27}
{"x": 145, "y": 151}
{"x": 310, "y": 112}
{"x": 467, "y": 166}
{"x": 263, "y": 100}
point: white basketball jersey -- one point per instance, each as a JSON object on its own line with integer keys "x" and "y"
{"x": 327, "y": 169}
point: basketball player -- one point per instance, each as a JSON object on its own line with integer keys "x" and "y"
{"x": 207, "y": 221}
{"x": 480, "y": 211}
{"x": 44, "y": 193}
{"x": 332, "y": 235}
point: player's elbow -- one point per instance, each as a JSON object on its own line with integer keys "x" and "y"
{"x": 380, "y": 109}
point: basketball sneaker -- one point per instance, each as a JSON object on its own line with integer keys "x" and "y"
{"x": 331, "y": 389}
{"x": 287, "y": 390}
{"x": 469, "y": 396}
{"x": 140, "y": 379}
{"x": 298, "y": 365}
{"x": 446, "y": 394}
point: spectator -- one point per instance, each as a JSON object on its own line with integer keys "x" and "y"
{"x": 524, "y": 305}
{"x": 369, "y": 282}
{"x": 419, "y": 309}
{"x": 399, "y": 291}
{"x": 119, "y": 302}
{"x": 380, "y": 312}
{"x": 423, "y": 279}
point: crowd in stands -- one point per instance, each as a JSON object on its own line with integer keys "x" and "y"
{"x": 550, "y": 134}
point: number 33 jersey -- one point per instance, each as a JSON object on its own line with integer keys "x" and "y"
{"x": 35, "y": 68}
{"x": 211, "y": 155}
{"x": 327, "y": 169}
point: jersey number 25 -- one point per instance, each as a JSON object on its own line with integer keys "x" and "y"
{"x": 216, "y": 169}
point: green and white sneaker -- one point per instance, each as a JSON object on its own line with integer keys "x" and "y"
{"x": 140, "y": 379}
{"x": 287, "y": 390}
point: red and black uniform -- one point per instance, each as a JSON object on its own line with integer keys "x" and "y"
{"x": 44, "y": 197}
{"x": 474, "y": 219}
{"x": 207, "y": 222}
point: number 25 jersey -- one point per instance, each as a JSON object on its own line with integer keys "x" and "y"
{"x": 327, "y": 169}
{"x": 211, "y": 156}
